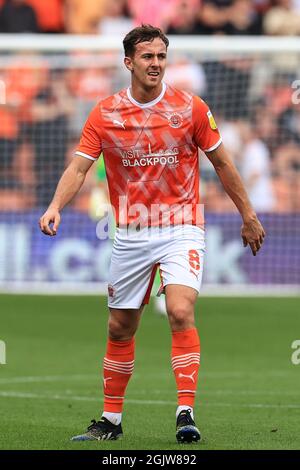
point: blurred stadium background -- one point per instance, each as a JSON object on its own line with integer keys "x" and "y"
{"x": 222, "y": 51}
{"x": 59, "y": 57}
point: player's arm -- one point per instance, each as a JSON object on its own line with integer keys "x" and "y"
{"x": 68, "y": 186}
{"x": 252, "y": 231}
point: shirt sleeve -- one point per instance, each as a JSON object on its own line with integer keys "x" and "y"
{"x": 90, "y": 145}
{"x": 206, "y": 133}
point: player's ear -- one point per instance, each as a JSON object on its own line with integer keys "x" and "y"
{"x": 128, "y": 63}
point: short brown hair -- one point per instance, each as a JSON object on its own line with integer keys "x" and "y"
{"x": 143, "y": 33}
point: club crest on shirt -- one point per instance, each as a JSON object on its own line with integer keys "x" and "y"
{"x": 111, "y": 290}
{"x": 175, "y": 120}
{"x": 211, "y": 120}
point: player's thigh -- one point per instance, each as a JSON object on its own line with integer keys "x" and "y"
{"x": 181, "y": 268}
{"x": 130, "y": 273}
{"x": 178, "y": 295}
{"x": 182, "y": 258}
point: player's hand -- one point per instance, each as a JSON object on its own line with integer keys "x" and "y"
{"x": 51, "y": 216}
{"x": 253, "y": 234}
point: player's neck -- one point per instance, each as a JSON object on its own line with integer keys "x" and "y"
{"x": 144, "y": 95}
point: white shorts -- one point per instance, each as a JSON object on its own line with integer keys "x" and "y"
{"x": 178, "y": 251}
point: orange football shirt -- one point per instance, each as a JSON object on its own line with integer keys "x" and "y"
{"x": 151, "y": 154}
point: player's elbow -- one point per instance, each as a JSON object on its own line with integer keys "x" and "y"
{"x": 78, "y": 171}
{"x": 223, "y": 166}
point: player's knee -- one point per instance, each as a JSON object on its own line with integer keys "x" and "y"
{"x": 181, "y": 317}
{"x": 119, "y": 330}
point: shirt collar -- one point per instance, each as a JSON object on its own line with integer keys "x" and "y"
{"x": 149, "y": 103}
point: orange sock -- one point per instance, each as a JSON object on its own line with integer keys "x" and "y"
{"x": 185, "y": 364}
{"x": 117, "y": 369}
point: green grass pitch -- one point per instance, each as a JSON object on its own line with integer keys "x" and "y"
{"x": 51, "y": 387}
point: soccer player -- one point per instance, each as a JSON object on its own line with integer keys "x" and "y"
{"x": 149, "y": 134}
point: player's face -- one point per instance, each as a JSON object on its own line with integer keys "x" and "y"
{"x": 148, "y": 63}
